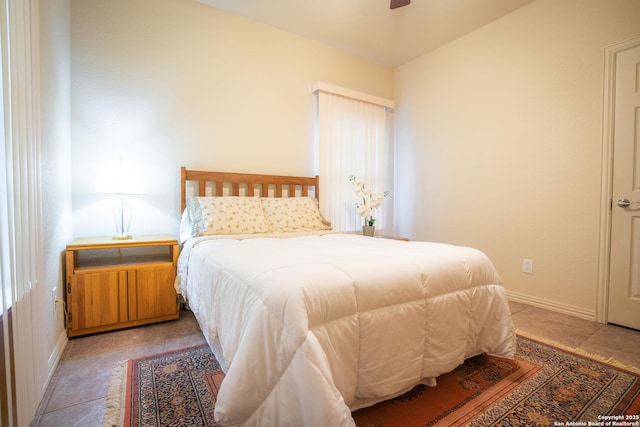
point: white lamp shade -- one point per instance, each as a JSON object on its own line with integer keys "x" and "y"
{"x": 121, "y": 176}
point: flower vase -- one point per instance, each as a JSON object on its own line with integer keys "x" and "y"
{"x": 368, "y": 230}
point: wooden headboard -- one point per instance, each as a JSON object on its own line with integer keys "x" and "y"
{"x": 250, "y": 183}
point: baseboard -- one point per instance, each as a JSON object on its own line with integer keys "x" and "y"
{"x": 55, "y": 356}
{"x": 552, "y": 305}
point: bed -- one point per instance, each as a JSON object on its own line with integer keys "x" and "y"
{"x": 309, "y": 324}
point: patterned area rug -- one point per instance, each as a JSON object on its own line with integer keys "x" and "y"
{"x": 543, "y": 386}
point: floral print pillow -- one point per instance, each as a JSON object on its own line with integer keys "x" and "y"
{"x": 226, "y": 215}
{"x": 293, "y": 214}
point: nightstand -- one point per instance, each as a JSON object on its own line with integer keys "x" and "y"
{"x": 380, "y": 236}
{"x": 406, "y": 239}
{"x": 114, "y": 284}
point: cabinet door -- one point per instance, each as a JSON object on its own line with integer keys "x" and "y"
{"x": 97, "y": 299}
{"x": 153, "y": 291}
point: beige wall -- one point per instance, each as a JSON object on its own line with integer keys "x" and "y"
{"x": 499, "y": 144}
{"x": 176, "y": 82}
{"x": 55, "y": 177}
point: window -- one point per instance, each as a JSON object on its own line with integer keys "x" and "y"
{"x": 20, "y": 231}
{"x": 354, "y": 138}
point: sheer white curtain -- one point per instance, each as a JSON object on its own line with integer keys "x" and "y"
{"x": 20, "y": 231}
{"x": 353, "y": 139}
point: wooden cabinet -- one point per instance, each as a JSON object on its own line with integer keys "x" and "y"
{"x": 113, "y": 284}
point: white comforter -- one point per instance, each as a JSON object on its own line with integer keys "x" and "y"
{"x": 310, "y": 328}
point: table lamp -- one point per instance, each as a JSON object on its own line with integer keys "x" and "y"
{"x": 121, "y": 177}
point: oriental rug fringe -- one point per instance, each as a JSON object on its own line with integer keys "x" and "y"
{"x": 545, "y": 385}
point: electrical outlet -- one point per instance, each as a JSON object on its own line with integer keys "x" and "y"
{"x": 54, "y": 294}
{"x": 527, "y": 266}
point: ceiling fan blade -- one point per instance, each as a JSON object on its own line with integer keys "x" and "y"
{"x": 399, "y": 3}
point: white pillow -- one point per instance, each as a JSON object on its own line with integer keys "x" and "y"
{"x": 226, "y": 215}
{"x": 293, "y": 214}
{"x": 185, "y": 226}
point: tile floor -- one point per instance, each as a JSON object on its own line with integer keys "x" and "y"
{"x": 77, "y": 393}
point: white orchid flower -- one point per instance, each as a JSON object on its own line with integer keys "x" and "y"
{"x": 370, "y": 200}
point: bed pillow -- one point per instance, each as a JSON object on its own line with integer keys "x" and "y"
{"x": 226, "y": 215}
{"x": 293, "y": 214}
{"x": 185, "y": 232}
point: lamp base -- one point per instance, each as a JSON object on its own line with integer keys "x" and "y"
{"x": 122, "y": 237}
{"x": 122, "y": 219}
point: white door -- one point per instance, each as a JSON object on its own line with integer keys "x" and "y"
{"x": 624, "y": 274}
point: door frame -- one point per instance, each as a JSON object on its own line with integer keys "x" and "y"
{"x": 606, "y": 188}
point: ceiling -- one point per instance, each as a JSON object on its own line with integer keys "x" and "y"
{"x": 369, "y": 28}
